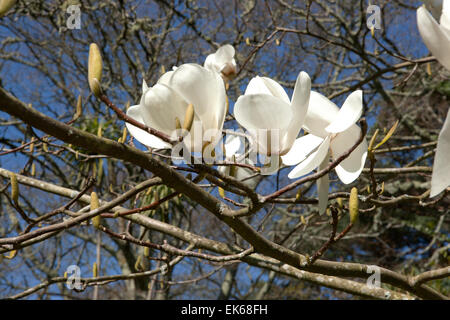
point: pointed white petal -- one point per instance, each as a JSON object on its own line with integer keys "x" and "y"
{"x": 264, "y": 85}
{"x": 435, "y": 37}
{"x": 144, "y": 86}
{"x": 299, "y": 105}
{"x": 349, "y": 113}
{"x": 441, "y": 167}
{"x": 349, "y": 169}
{"x": 323, "y": 186}
{"x": 301, "y": 148}
{"x": 321, "y": 112}
{"x": 312, "y": 161}
{"x": 140, "y": 135}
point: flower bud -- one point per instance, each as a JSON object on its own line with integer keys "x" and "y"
{"x": 79, "y": 109}
{"x": 14, "y": 187}
{"x": 95, "y": 205}
{"x": 95, "y": 66}
{"x": 221, "y": 192}
{"x": 303, "y": 220}
{"x": 12, "y": 254}
{"x": 354, "y": 205}
{"x": 95, "y": 270}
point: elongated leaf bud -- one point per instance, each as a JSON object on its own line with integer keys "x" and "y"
{"x": 12, "y": 254}
{"x": 95, "y": 66}
{"x": 14, "y": 187}
{"x": 188, "y": 117}
{"x": 5, "y": 6}
{"x": 303, "y": 220}
{"x": 298, "y": 195}
{"x": 99, "y": 131}
{"x": 146, "y": 252}
{"x": 33, "y": 169}
{"x": 340, "y": 203}
{"x": 124, "y": 135}
{"x": 137, "y": 265}
{"x": 95, "y": 270}
{"x": 95, "y": 205}
{"x": 79, "y": 108}
{"x": 221, "y": 192}
{"x": 354, "y": 205}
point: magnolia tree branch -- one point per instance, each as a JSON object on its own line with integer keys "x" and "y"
{"x": 177, "y": 181}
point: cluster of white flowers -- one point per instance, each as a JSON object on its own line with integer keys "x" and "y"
{"x": 196, "y": 94}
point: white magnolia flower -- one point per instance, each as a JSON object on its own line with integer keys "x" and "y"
{"x": 436, "y": 36}
{"x": 273, "y": 120}
{"x": 234, "y": 150}
{"x": 437, "y": 39}
{"x": 222, "y": 62}
{"x": 332, "y": 132}
{"x": 169, "y": 99}
{"x": 440, "y": 178}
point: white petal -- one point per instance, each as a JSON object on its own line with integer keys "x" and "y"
{"x": 232, "y": 145}
{"x": 301, "y": 148}
{"x": 323, "y": 186}
{"x": 205, "y": 90}
{"x": 349, "y": 113}
{"x": 435, "y": 37}
{"x": 262, "y": 111}
{"x": 311, "y": 162}
{"x": 299, "y": 105}
{"x": 321, "y": 112}
{"x": 144, "y": 86}
{"x": 220, "y": 59}
{"x": 140, "y": 135}
{"x": 349, "y": 169}
{"x": 161, "y": 106}
{"x": 445, "y": 16}
{"x": 441, "y": 167}
{"x": 264, "y": 85}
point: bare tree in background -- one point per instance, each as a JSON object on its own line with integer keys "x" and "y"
{"x": 165, "y": 231}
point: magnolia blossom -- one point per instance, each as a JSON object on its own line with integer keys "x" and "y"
{"x": 437, "y": 39}
{"x": 233, "y": 150}
{"x": 167, "y": 103}
{"x": 272, "y": 119}
{"x": 332, "y": 132}
{"x": 436, "y": 36}
{"x": 222, "y": 62}
{"x": 440, "y": 178}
